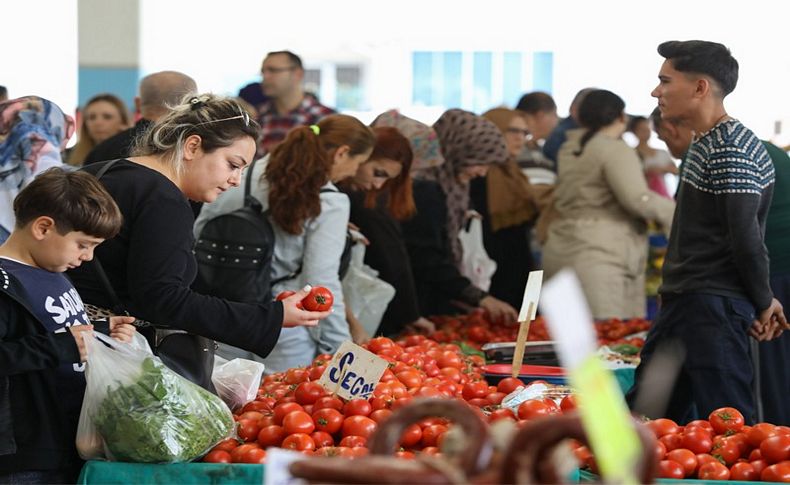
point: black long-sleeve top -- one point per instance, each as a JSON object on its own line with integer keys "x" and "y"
{"x": 151, "y": 266}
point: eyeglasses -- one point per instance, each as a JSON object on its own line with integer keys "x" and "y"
{"x": 275, "y": 70}
{"x": 517, "y": 131}
{"x": 243, "y": 115}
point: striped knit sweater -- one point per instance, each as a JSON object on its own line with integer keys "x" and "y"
{"x": 716, "y": 244}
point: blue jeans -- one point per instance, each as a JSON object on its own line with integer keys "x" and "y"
{"x": 774, "y": 359}
{"x": 717, "y": 369}
{"x": 38, "y": 477}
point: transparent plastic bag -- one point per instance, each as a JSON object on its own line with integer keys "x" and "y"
{"x": 237, "y": 381}
{"x": 476, "y": 264}
{"x": 137, "y": 410}
{"x": 365, "y": 293}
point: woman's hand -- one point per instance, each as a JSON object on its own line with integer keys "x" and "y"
{"x": 78, "y": 332}
{"x": 295, "y": 316}
{"x": 121, "y": 328}
{"x": 498, "y": 311}
{"x": 422, "y": 325}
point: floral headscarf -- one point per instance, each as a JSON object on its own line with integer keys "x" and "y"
{"x": 466, "y": 139}
{"x": 423, "y": 139}
{"x": 33, "y": 132}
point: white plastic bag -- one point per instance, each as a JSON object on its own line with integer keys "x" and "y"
{"x": 365, "y": 293}
{"x": 237, "y": 381}
{"x": 136, "y": 409}
{"x": 476, "y": 265}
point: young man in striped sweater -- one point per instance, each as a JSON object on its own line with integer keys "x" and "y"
{"x": 715, "y": 291}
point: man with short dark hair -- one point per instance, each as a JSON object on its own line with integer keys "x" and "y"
{"x": 551, "y": 147}
{"x": 157, "y": 93}
{"x": 715, "y": 291}
{"x": 289, "y": 106}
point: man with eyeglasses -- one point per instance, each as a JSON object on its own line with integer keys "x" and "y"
{"x": 289, "y": 106}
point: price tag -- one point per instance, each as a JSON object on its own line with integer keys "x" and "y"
{"x": 604, "y": 413}
{"x": 353, "y": 372}
{"x": 276, "y": 471}
{"x": 529, "y": 308}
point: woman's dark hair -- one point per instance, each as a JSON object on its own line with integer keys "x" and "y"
{"x": 702, "y": 57}
{"x": 218, "y": 121}
{"x": 599, "y": 108}
{"x": 300, "y": 165}
{"x": 392, "y": 145}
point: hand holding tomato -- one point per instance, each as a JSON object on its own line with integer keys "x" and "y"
{"x": 297, "y": 314}
{"x": 319, "y": 299}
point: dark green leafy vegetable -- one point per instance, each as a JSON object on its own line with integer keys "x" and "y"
{"x": 161, "y": 418}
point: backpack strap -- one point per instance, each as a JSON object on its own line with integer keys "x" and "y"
{"x": 249, "y": 200}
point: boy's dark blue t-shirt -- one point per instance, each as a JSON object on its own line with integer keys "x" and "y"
{"x": 57, "y": 305}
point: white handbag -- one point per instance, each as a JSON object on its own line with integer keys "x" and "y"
{"x": 475, "y": 264}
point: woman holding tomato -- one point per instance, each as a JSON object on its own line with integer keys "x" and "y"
{"x": 295, "y": 182}
{"x": 470, "y": 144}
{"x": 380, "y": 194}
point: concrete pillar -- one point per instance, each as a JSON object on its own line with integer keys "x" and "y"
{"x": 109, "y": 48}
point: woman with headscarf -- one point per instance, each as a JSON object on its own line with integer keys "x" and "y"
{"x": 33, "y": 132}
{"x": 470, "y": 144}
{"x": 505, "y": 199}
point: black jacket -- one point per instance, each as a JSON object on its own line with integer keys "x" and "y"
{"x": 118, "y": 146}
{"x": 35, "y": 432}
{"x": 436, "y": 277}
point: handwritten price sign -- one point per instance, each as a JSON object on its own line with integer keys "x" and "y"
{"x": 353, "y": 372}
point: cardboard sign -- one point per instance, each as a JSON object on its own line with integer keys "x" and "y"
{"x": 353, "y": 372}
{"x": 602, "y": 408}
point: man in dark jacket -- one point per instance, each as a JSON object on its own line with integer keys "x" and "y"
{"x": 158, "y": 92}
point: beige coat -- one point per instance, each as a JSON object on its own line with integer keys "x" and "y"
{"x": 602, "y": 206}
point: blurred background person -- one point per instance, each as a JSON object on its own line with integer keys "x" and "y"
{"x": 104, "y": 115}
{"x": 657, "y": 163}
{"x": 33, "y": 133}
{"x": 602, "y": 206}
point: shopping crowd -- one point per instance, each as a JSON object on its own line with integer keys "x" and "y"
{"x": 549, "y": 192}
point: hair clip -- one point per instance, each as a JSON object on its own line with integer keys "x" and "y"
{"x": 316, "y": 129}
{"x": 196, "y": 103}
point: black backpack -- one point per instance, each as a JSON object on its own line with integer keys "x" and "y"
{"x": 234, "y": 253}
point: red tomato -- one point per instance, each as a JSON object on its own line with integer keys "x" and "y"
{"x": 256, "y": 456}
{"x": 378, "y": 344}
{"x": 672, "y": 441}
{"x": 295, "y": 376}
{"x": 450, "y": 359}
{"x": 760, "y": 432}
{"x": 380, "y": 415}
{"x": 430, "y": 434}
{"x": 354, "y": 441}
{"x": 322, "y": 439}
{"x": 501, "y": 413}
{"x": 319, "y": 299}
{"x": 713, "y": 471}
{"x": 238, "y": 453}
{"x": 697, "y": 441}
{"x": 359, "y": 426}
{"x": 670, "y": 469}
{"x": 410, "y": 378}
{"x": 779, "y": 472}
{"x": 248, "y": 429}
{"x": 299, "y": 442}
{"x": 322, "y": 359}
{"x": 533, "y": 408}
{"x": 686, "y": 458}
{"x": 495, "y": 398}
{"x": 759, "y": 465}
{"x": 271, "y": 436}
{"x": 328, "y": 402}
{"x": 284, "y": 294}
{"x": 328, "y": 420}
{"x": 726, "y": 419}
{"x": 217, "y": 456}
{"x": 406, "y": 455}
{"x": 226, "y": 445}
{"x": 478, "y": 334}
{"x": 264, "y": 404}
{"x": 744, "y": 472}
{"x": 357, "y": 407}
{"x": 661, "y": 451}
{"x": 411, "y": 436}
{"x": 474, "y": 390}
{"x": 728, "y": 451}
{"x": 298, "y": 422}
{"x": 308, "y": 392}
{"x": 701, "y": 424}
{"x": 316, "y": 372}
{"x": 281, "y": 410}
{"x": 776, "y": 448}
{"x": 662, "y": 427}
{"x": 568, "y": 403}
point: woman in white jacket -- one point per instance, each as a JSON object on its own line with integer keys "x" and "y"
{"x": 310, "y": 217}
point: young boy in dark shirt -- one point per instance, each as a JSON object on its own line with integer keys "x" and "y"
{"x": 60, "y": 218}
{"x": 715, "y": 291}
